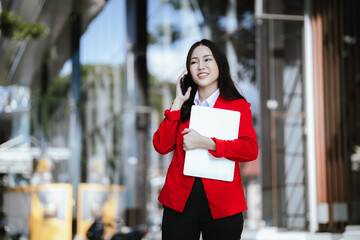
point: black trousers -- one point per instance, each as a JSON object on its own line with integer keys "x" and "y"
{"x": 196, "y": 218}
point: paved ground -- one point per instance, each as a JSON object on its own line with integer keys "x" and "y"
{"x": 269, "y": 233}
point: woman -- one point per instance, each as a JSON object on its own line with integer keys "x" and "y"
{"x": 194, "y": 206}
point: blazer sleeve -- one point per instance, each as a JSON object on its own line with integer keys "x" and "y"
{"x": 164, "y": 139}
{"x": 243, "y": 149}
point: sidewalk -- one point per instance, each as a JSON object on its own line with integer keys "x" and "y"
{"x": 270, "y": 233}
{"x": 273, "y": 233}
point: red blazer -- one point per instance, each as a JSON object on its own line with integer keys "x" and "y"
{"x": 225, "y": 198}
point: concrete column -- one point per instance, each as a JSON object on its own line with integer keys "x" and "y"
{"x": 75, "y": 130}
{"x": 137, "y": 112}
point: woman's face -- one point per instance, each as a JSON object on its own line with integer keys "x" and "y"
{"x": 204, "y": 69}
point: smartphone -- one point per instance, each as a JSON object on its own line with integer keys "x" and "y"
{"x": 184, "y": 84}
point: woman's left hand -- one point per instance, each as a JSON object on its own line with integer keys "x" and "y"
{"x": 192, "y": 140}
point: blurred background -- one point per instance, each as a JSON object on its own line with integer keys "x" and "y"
{"x": 83, "y": 87}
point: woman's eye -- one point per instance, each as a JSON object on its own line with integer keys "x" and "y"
{"x": 208, "y": 59}
{"x": 193, "y": 62}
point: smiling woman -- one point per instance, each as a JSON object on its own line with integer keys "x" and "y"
{"x": 194, "y": 205}
{"x": 217, "y": 68}
{"x": 204, "y": 71}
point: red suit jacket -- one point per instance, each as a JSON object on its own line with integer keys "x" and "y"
{"x": 225, "y": 198}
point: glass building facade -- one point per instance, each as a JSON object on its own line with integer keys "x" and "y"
{"x": 280, "y": 29}
{"x": 102, "y": 88}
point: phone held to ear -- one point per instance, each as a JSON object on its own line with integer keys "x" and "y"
{"x": 183, "y": 85}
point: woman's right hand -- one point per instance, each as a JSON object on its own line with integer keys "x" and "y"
{"x": 180, "y": 97}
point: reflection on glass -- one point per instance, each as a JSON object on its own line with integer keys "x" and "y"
{"x": 288, "y": 7}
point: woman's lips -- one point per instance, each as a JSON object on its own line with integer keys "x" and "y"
{"x": 202, "y": 75}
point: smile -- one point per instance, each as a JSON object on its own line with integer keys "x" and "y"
{"x": 202, "y": 75}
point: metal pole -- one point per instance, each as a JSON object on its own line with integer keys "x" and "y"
{"x": 274, "y": 169}
{"x": 137, "y": 97}
{"x": 75, "y": 130}
{"x": 310, "y": 120}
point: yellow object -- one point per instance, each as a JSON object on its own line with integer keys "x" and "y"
{"x": 51, "y": 212}
{"x": 96, "y": 200}
{"x": 43, "y": 165}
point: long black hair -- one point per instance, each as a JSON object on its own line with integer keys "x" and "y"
{"x": 225, "y": 82}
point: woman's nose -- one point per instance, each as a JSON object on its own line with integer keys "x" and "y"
{"x": 201, "y": 65}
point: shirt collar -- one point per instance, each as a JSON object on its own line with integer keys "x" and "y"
{"x": 209, "y": 102}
